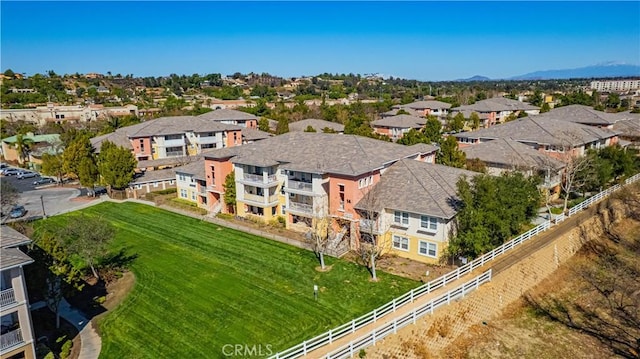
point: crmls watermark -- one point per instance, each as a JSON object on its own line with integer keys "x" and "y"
{"x": 247, "y": 350}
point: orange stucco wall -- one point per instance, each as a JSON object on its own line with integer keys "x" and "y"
{"x": 352, "y": 194}
{"x": 252, "y": 124}
{"x": 135, "y": 143}
{"x": 230, "y": 138}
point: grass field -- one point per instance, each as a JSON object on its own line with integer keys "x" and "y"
{"x": 200, "y": 286}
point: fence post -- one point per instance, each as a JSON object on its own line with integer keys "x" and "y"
{"x": 373, "y": 337}
{"x": 411, "y": 295}
{"x": 448, "y": 297}
{"x": 463, "y": 291}
{"x": 375, "y": 317}
{"x": 330, "y": 337}
{"x": 394, "y": 304}
{"x": 414, "y": 317}
{"x": 395, "y": 326}
{"x": 353, "y": 326}
{"x": 304, "y": 347}
{"x": 431, "y": 303}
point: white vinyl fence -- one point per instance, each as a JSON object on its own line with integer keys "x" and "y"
{"x": 371, "y": 317}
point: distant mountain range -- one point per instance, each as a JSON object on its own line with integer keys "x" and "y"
{"x": 610, "y": 69}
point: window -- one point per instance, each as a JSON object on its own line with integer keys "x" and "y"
{"x": 401, "y": 243}
{"x": 183, "y": 193}
{"x": 173, "y": 137}
{"x": 208, "y": 145}
{"x": 141, "y": 145}
{"x": 171, "y": 182}
{"x": 430, "y": 223}
{"x": 155, "y": 184}
{"x": 428, "y": 249}
{"x": 138, "y": 186}
{"x": 401, "y": 217}
{"x": 341, "y": 194}
{"x": 181, "y": 177}
{"x": 193, "y": 196}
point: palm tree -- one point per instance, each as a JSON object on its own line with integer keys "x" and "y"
{"x": 23, "y": 146}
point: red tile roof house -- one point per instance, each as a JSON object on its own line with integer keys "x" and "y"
{"x": 495, "y": 110}
{"x": 301, "y": 176}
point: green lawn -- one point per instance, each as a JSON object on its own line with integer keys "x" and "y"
{"x": 200, "y": 286}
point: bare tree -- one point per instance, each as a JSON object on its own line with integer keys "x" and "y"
{"x": 370, "y": 245}
{"x": 318, "y": 235}
{"x": 573, "y": 174}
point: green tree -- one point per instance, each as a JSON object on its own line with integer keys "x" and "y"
{"x": 80, "y": 91}
{"x": 310, "y": 129}
{"x": 456, "y": 124}
{"x": 283, "y": 126}
{"x": 116, "y": 165}
{"x": 476, "y": 165}
{"x": 449, "y": 154}
{"x": 545, "y": 108}
{"x": 491, "y": 210}
{"x": 263, "y": 125}
{"x": 23, "y": 146}
{"x": 88, "y": 237}
{"x": 8, "y": 196}
{"x": 53, "y": 165}
{"x": 88, "y": 171}
{"x": 433, "y": 130}
{"x": 230, "y": 192}
{"x": 412, "y": 137}
{"x": 613, "y": 100}
{"x": 78, "y": 149}
{"x": 474, "y": 121}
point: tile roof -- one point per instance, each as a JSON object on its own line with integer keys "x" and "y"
{"x": 496, "y": 104}
{"x": 400, "y": 121}
{"x": 417, "y": 187}
{"x": 348, "y": 155}
{"x": 317, "y": 124}
{"x": 585, "y": 115}
{"x": 9, "y": 237}
{"x": 226, "y": 114}
{"x": 511, "y": 153}
{"x": 542, "y": 130}
{"x": 196, "y": 169}
{"x": 13, "y": 257}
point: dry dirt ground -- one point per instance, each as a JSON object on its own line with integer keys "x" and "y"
{"x": 523, "y": 332}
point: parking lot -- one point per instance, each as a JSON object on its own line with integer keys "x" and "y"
{"x": 46, "y": 200}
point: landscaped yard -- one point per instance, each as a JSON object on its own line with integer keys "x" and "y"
{"x": 200, "y": 286}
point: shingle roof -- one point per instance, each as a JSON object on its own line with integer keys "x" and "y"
{"x": 542, "y": 130}
{"x": 511, "y": 153}
{"x": 181, "y": 124}
{"x": 628, "y": 128}
{"x": 251, "y": 134}
{"x": 226, "y": 114}
{"x": 9, "y": 237}
{"x": 317, "y": 125}
{"x": 417, "y": 187}
{"x": 13, "y": 257}
{"x": 320, "y": 153}
{"x": 400, "y": 121}
{"x": 196, "y": 169}
{"x": 497, "y": 104}
{"x": 171, "y": 161}
{"x": 155, "y": 176}
{"x": 585, "y": 115}
{"x": 430, "y": 104}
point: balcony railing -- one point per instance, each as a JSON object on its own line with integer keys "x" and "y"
{"x": 11, "y": 339}
{"x": 301, "y": 207}
{"x": 369, "y": 225}
{"x": 301, "y": 186}
{"x": 7, "y": 297}
{"x": 273, "y": 198}
{"x": 172, "y": 143}
{"x": 254, "y": 197}
{"x": 175, "y": 154}
{"x": 256, "y": 178}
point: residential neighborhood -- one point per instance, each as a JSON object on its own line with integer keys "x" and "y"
{"x": 249, "y": 188}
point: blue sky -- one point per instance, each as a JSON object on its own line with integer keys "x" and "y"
{"x": 418, "y": 40}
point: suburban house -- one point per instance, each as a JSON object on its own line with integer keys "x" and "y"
{"x": 317, "y": 125}
{"x": 395, "y": 127}
{"x": 40, "y": 144}
{"x": 15, "y": 315}
{"x": 151, "y": 181}
{"x": 548, "y": 135}
{"x": 191, "y": 184}
{"x": 586, "y": 115}
{"x": 422, "y": 109}
{"x": 505, "y": 154}
{"x": 231, "y": 117}
{"x": 410, "y": 211}
{"x": 175, "y": 136}
{"x": 495, "y": 110}
{"x": 301, "y": 176}
{"x": 59, "y": 114}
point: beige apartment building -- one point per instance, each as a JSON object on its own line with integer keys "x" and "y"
{"x": 16, "y": 339}
{"x": 76, "y": 113}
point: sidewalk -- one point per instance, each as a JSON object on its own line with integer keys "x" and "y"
{"x": 90, "y": 340}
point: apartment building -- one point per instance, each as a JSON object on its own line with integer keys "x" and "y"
{"x": 549, "y": 135}
{"x": 191, "y": 184}
{"x": 40, "y": 143}
{"x": 60, "y": 114}
{"x": 152, "y": 181}
{"x": 301, "y": 176}
{"x": 615, "y": 85}
{"x": 175, "y": 136}
{"x": 410, "y": 211}
{"x": 231, "y": 117}
{"x": 586, "y": 115}
{"x": 495, "y": 110}
{"x": 422, "y": 109}
{"x": 317, "y": 125}
{"x": 16, "y": 339}
{"x": 395, "y": 127}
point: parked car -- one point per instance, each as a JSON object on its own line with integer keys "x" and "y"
{"x": 27, "y": 174}
{"x": 11, "y": 171}
{"x": 17, "y": 212}
{"x": 43, "y": 180}
{"x": 3, "y": 166}
{"x": 96, "y": 191}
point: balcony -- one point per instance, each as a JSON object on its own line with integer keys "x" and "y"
{"x": 300, "y": 186}
{"x": 259, "y": 179}
{"x": 7, "y": 297}
{"x": 173, "y": 143}
{"x": 261, "y": 199}
{"x": 11, "y": 339}
{"x": 369, "y": 225}
{"x": 301, "y": 207}
{"x": 175, "y": 154}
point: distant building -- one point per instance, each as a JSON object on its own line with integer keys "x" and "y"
{"x": 615, "y": 85}
{"x": 395, "y": 127}
{"x": 316, "y": 124}
{"x": 495, "y": 110}
{"x": 422, "y": 109}
{"x": 41, "y": 144}
{"x": 60, "y": 114}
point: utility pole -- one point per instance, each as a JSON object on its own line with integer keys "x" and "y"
{"x": 44, "y": 215}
